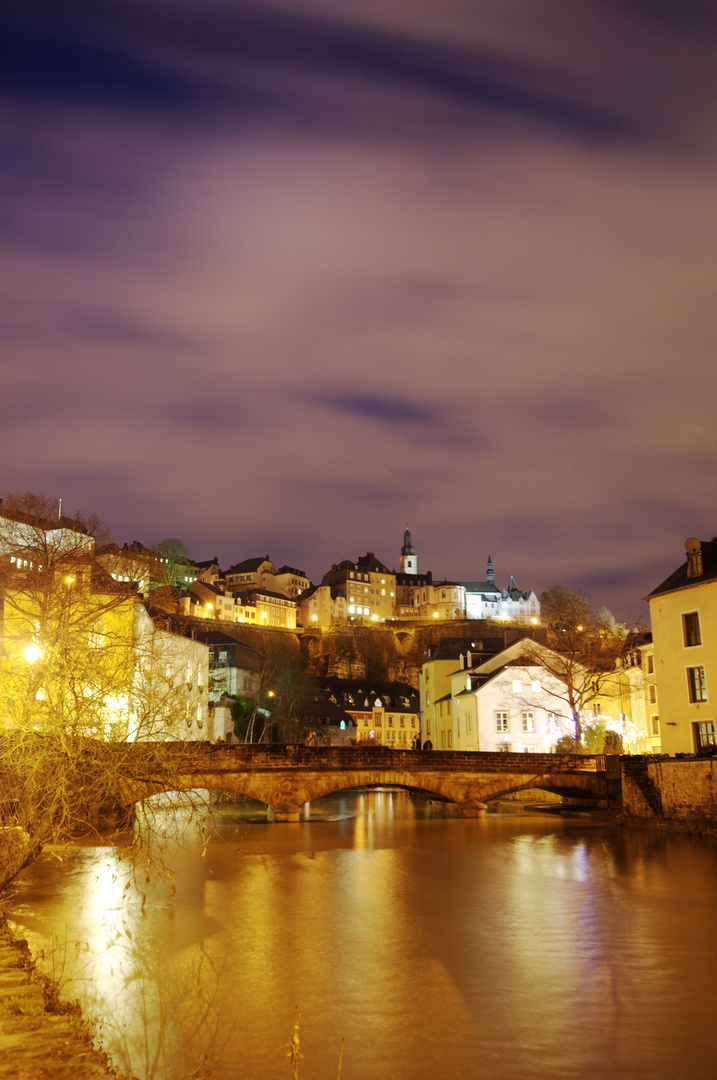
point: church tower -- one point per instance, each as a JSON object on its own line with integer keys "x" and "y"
{"x": 409, "y": 562}
{"x": 489, "y": 572}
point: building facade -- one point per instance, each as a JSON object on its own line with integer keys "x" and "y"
{"x": 683, "y": 614}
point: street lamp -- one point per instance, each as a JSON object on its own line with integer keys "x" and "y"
{"x": 32, "y": 653}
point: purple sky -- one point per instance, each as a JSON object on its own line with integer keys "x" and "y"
{"x": 282, "y": 277}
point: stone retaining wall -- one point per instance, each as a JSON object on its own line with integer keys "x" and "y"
{"x": 670, "y": 792}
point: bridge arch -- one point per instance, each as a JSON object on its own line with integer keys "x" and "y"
{"x": 286, "y": 777}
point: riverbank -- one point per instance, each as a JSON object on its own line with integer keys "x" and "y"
{"x": 40, "y": 1035}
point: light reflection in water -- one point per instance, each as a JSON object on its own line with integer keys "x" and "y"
{"x": 527, "y": 947}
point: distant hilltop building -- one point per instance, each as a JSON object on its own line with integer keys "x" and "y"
{"x": 367, "y": 591}
{"x": 484, "y": 600}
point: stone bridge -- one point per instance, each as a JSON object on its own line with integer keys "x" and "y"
{"x": 286, "y": 777}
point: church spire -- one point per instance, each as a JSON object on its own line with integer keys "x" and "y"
{"x": 409, "y": 562}
{"x": 489, "y": 572}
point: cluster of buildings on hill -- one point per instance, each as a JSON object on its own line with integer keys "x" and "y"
{"x": 489, "y": 693}
{"x": 256, "y": 593}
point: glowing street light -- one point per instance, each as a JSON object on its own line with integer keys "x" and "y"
{"x": 32, "y": 653}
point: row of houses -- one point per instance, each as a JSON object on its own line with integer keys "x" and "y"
{"x": 362, "y": 591}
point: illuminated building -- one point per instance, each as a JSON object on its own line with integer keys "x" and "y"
{"x": 385, "y": 713}
{"x": 683, "y": 614}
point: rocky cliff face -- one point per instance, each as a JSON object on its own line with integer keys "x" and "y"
{"x": 388, "y": 654}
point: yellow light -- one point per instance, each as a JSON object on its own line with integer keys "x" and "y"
{"x": 534, "y": 621}
{"x": 435, "y": 614}
{"x": 32, "y": 653}
{"x": 209, "y": 607}
{"x": 69, "y": 579}
{"x": 271, "y": 693}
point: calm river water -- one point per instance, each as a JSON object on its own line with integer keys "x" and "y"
{"x": 531, "y": 947}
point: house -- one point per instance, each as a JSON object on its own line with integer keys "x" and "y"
{"x": 321, "y": 606}
{"x": 484, "y": 600}
{"x": 251, "y": 573}
{"x": 367, "y": 586}
{"x": 497, "y": 701}
{"x": 234, "y": 673}
{"x": 330, "y": 725}
{"x": 683, "y": 614}
{"x": 290, "y": 582}
{"x": 385, "y": 713}
{"x": 262, "y": 607}
{"x": 442, "y": 660}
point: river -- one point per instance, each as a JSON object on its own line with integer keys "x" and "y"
{"x": 517, "y": 946}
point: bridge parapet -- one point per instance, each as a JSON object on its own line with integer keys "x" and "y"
{"x": 283, "y": 756}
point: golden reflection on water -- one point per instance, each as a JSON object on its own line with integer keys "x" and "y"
{"x": 472, "y": 950}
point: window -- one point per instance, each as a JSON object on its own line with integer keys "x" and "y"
{"x": 443, "y": 739}
{"x": 517, "y": 686}
{"x": 530, "y": 749}
{"x": 704, "y": 734}
{"x": 653, "y": 695}
{"x": 501, "y": 721}
{"x": 651, "y": 665}
{"x": 450, "y": 739}
{"x": 528, "y": 721}
{"x": 691, "y": 628}
{"x": 655, "y": 724}
{"x": 535, "y": 686}
{"x": 696, "y": 684}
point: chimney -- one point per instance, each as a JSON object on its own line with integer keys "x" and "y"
{"x": 694, "y": 557}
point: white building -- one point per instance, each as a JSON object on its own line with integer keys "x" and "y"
{"x": 507, "y": 702}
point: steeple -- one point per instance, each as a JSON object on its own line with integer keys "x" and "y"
{"x": 489, "y": 572}
{"x": 409, "y": 562}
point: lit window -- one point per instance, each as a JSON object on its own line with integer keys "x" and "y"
{"x": 655, "y": 720}
{"x": 704, "y": 734}
{"x": 535, "y": 686}
{"x": 528, "y": 721}
{"x": 696, "y": 684}
{"x": 501, "y": 721}
{"x": 517, "y": 686}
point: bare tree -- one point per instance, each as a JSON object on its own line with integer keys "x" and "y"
{"x": 83, "y": 671}
{"x": 585, "y": 650}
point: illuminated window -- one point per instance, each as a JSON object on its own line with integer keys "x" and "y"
{"x": 528, "y": 721}
{"x": 530, "y": 749}
{"x": 517, "y": 686}
{"x": 535, "y": 686}
{"x": 704, "y": 734}
{"x": 696, "y": 684}
{"x": 691, "y": 628}
{"x": 501, "y": 721}
{"x": 655, "y": 722}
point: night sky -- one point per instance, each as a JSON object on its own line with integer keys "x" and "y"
{"x": 284, "y": 277}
